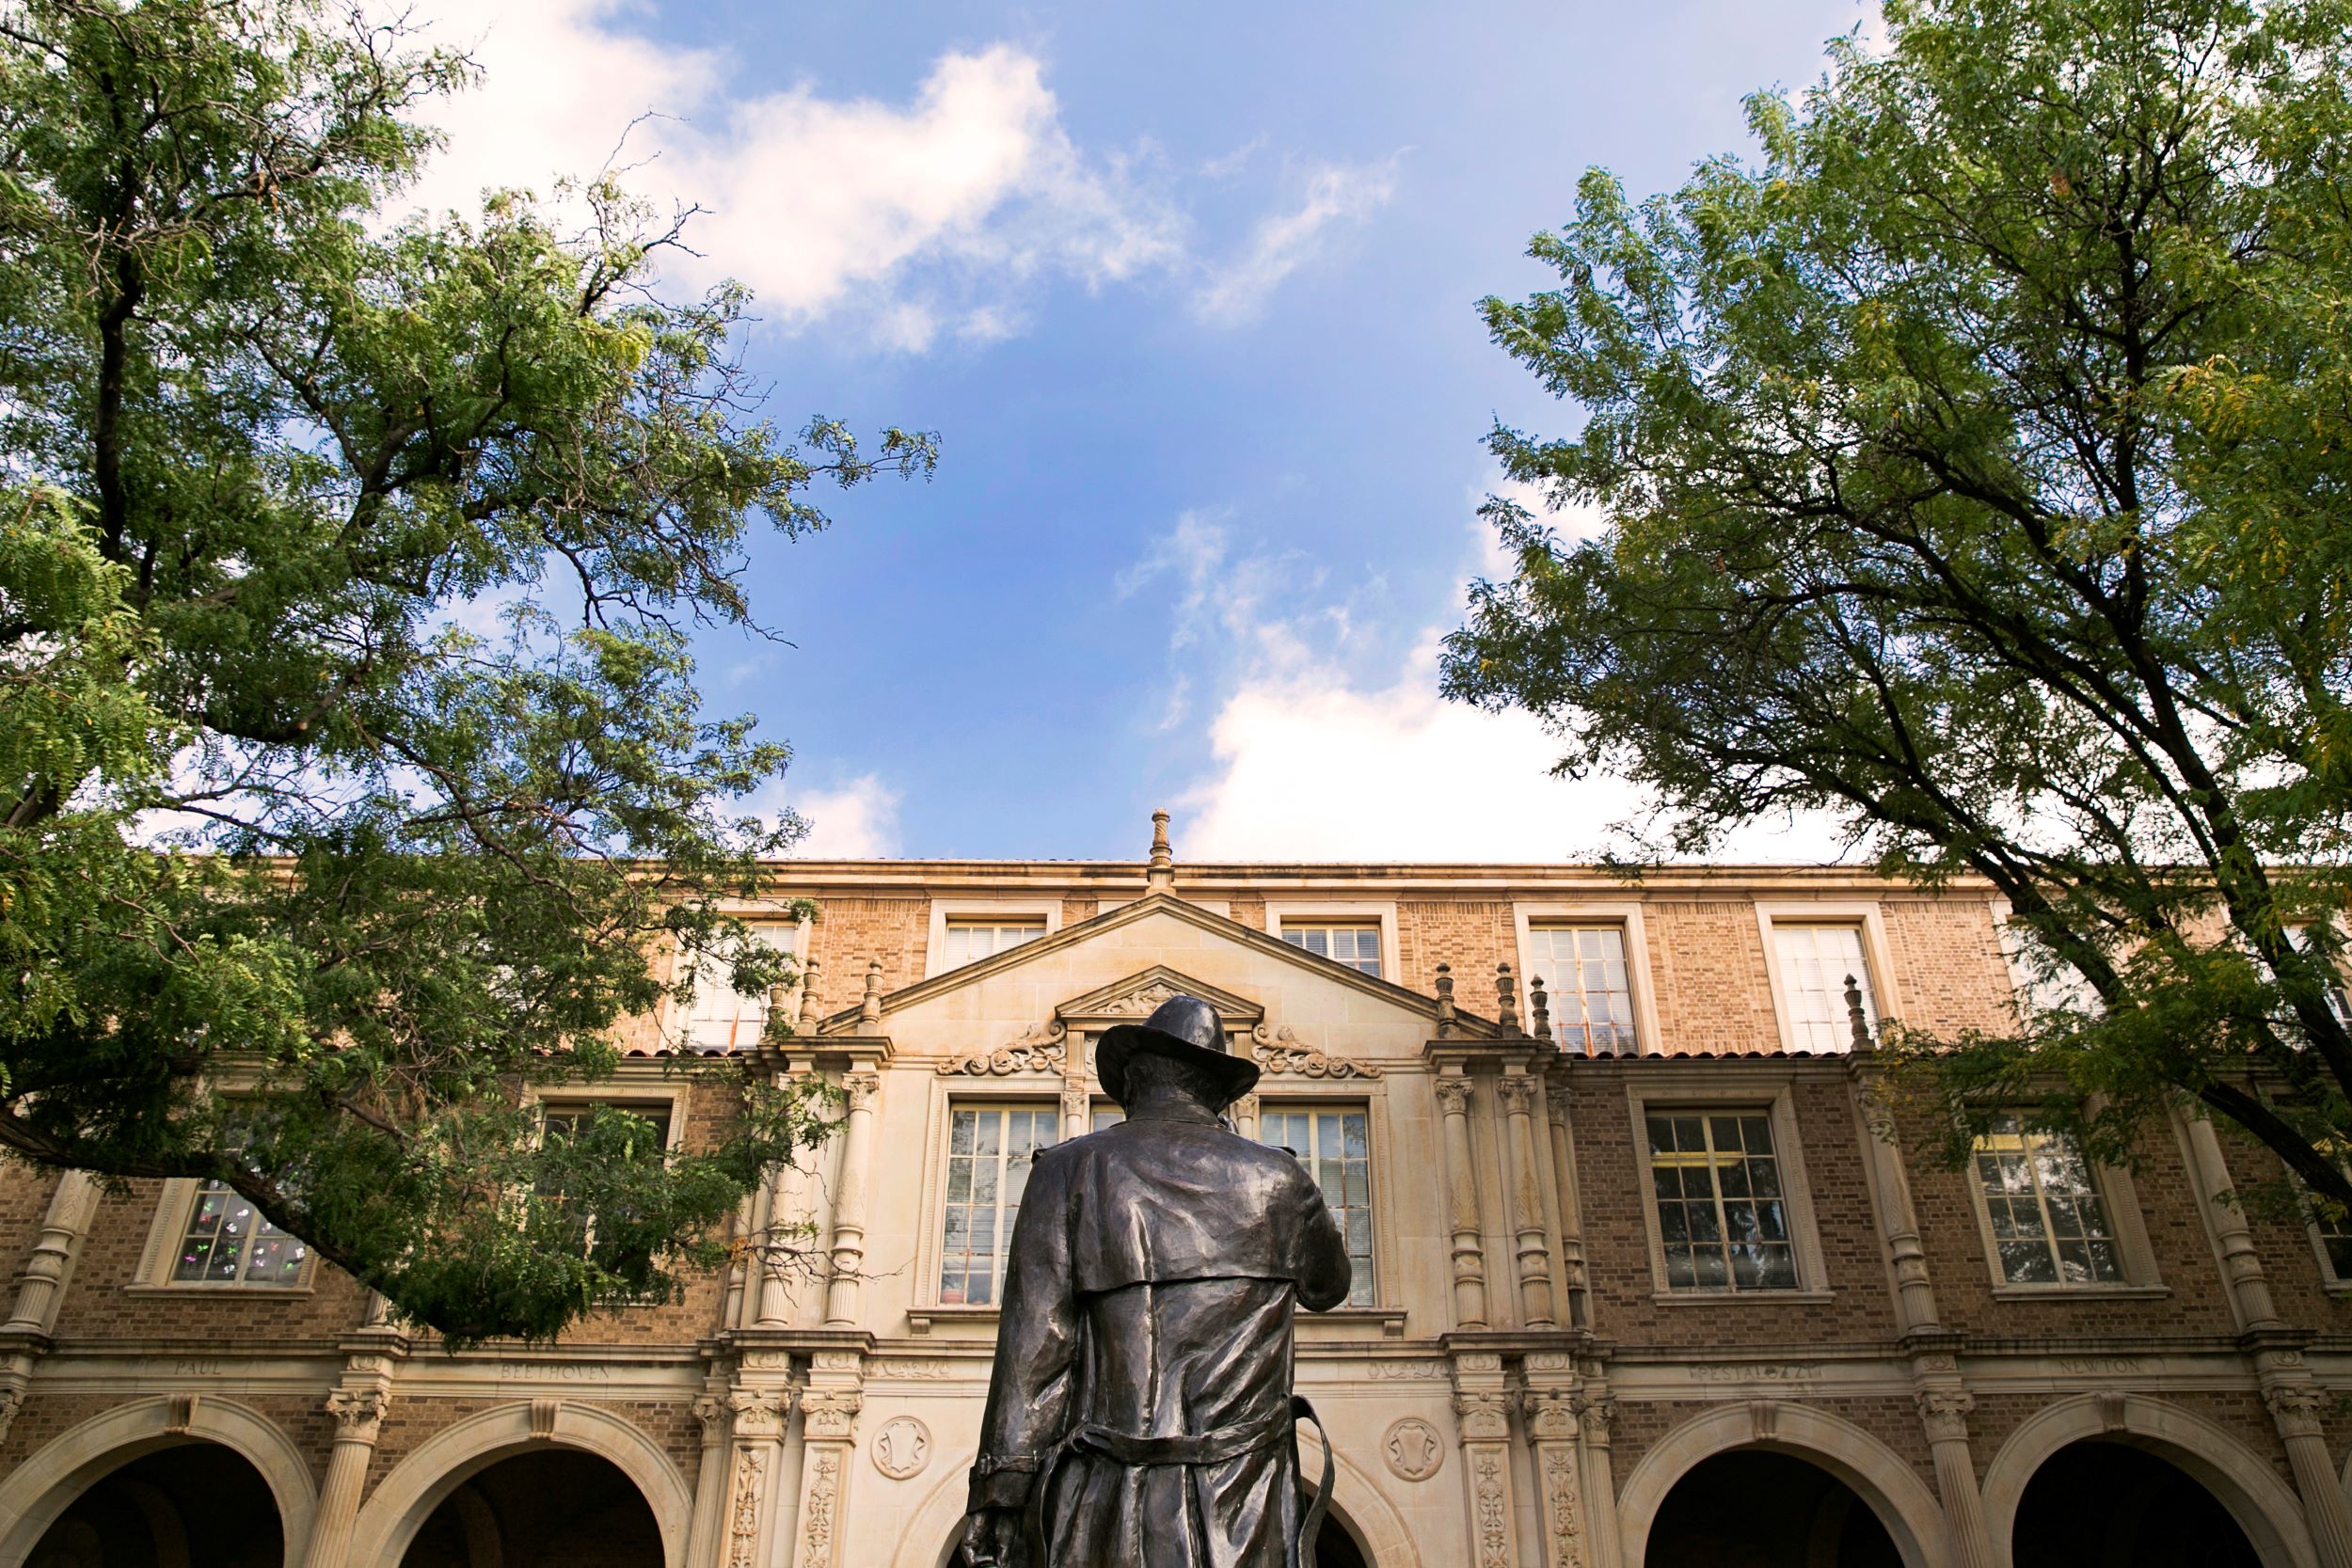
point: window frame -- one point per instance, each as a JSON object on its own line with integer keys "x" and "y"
{"x": 175, "y": 1209}
{"x": 1731, "y": 1091}
{"x": 1627, "y": 917}
{"x": 1373, "y": 1206}
{"x": 678, "y": 1020}
{"x": 931, "y": 1253}
{"x": 671, "y": 1102}
{"x": 1281, "y": 912}
{"x": 2119, "y": 1195}
{"x": 1876, "y": 957}
{"x": 944, "y": 910}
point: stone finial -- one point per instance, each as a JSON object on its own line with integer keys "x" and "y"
{"x": 809, "y": 995}
{"x": 1507, "y": 1000}
{"x": 1162, "y": 876}
{"x": 869, "y": 1010}
{"x": 1856, "y": 1021}
{"x": 1538, "y": 1008}
{"x": 1445, "y": 1002}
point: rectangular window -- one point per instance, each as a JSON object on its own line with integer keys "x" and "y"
{"x": 969, "y": 940}
{"x": 2049, "y": 1225}
{"x": 1333, "y": 1147}
{"x": 1814, "y": 963}
{"x": 560, "y": 1122}
{"x": 723, "y": 1018}
{"x": 2335, "y": 1240}
{"x": 1355, "y": 943}
{"x": 2337, "y": 1002}
{"x": 1723, "y": 1213}
{"x": 988, "y": 1147}
{"x": 1592, "y": 994}
{"x": 229, "y": 1241}
{"x": 1106, "y": 1115}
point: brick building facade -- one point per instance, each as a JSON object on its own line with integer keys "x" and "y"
{"x": 1640, "y": 1279}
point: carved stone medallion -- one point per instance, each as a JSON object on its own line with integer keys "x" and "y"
{"x": 902, "y": 1448}
{"x": 1414, "y": 1449}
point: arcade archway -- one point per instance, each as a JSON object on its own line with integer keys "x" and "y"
{"x": 1756, "y": 1508}
{"x": 2104, "y": 1504}
{"x": 190, "y": 1505}
{"x": 542, "y": 1508}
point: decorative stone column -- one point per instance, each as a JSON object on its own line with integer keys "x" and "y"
{"x": 1461, "y": 1178}
{"x": 2296, "y": 1404}
{"x": 828, "y": 1444}
{"x": 1944, "y": 1411}
{"x": 1533, "y": 1249}
{"x": 40, "y": 1289}
{"x": 1548, "y": 1405}
{"x": 849, "y": 1214}
{"x": 1244, "y": 1113}
{"x": 359, "y": 1413}
{"x": 710, "y": 1481}
{"x": 1571, "y": 1207}
{"x": 749, "y": 1514}
{"x": 2241, "y": 1265}
{"x": 1594, "y": 1410}
{"x": 787, "y": 1205}
{"x": 1482, "y": 1412}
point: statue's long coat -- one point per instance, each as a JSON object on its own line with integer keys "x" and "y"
{"x": 1150, "y": 1291}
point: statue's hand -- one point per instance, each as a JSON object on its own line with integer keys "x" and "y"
{"x": 993, "y": 1539}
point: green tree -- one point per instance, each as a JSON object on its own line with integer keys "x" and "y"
{"x": 305, "y": 887}
{"x": 1974, "y": 466}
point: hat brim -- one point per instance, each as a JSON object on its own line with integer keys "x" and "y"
{"x": 1236, "y": 1076}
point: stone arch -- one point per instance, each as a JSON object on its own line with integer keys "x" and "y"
{"x": 35, "y": 1492}
{"x": 2245, "y": 1484}
{"x": 417, "y": 1485}
{"x": 1356, "y": 1498}
{"x": 1879, "y": 1474}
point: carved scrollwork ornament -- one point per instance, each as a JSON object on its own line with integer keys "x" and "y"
{"x": 759, "y": 1412}
{"x": 1453, "y": 1095}
{"x": 1518, "y": 1092}
{"x": 357, "y": 1412}
{"x": 1040, "y": 1048}
{"x": 2296, "y": 1408}
{"x": 1945, "y": 1411}
{"x": 832, "y": 1414}
{"x": 862, "y": 1088}
{"x": 1483, "y": 1417}
{"x": 1277, "y": 1051}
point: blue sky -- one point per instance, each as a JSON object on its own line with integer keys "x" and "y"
{"x": 1188, "y": 293}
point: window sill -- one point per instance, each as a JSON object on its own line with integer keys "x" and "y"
{"x": 1391, "y": 1319}
{"x": 919, "y": 1318}
{"x": 1727, "y": 1298}
{"x": 2081, "y": 1293}
{"x": 204, "y": 1287}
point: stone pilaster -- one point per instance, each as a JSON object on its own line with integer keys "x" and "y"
{"x": 1548, "y": 1406}
{"x": 849, "y": 1214}
{"x": 1571, "y": 1208}
{"x": 1594, "y": 1411}
{"x": 828, "y": 1412}
{"x": 2295, "y": 1405}
{"x": 2241, "y": 1265}
{"x": 1533, "y": 1244}
{"x": 750, "y": 1516}
{"x": 359, "y": 1412}
{"x": 41, "y": 1288}
{"x": 1481, "y": 1414}
{"x": 710, "y": 1481}
{"x": 1453, "y": 1088}
{"x": 1944, "y": 1409}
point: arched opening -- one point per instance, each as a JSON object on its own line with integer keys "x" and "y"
{"x": 1752, "y": 1508}
{"x": 191, "y": 1505}
{"x": 2103, "y": 1504}
{"x": 545, "y": 1508}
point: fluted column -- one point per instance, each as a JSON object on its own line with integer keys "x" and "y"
{"x": 849, "y": 1214}
{"x": 1461, "y": 1178}
{"x": 1548, "y": 1407}
{"x": 358, "y": 1419}
{"x": 41, "y": 1288}
{"x": 703, "y": 1532}
{"x": 1481, "y": 1414}
{"x": 1944, "y": 1411}
{"x": 2296, "y": 1404}
{"x": 1594, "y": 1411}
{"x": 1518, "y": 1091}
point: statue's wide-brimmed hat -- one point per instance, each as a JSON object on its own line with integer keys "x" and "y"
{"x": 1185, "y": 1027}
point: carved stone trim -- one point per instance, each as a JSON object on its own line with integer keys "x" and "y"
{"x": 817, "y": 1505}
{"x": 180, "y": 1413}
{"x": 1040, "y": 1048}
{"x": 1414, "y": 1449}
{"x": 831, "y": 1415}
{"x": 1563, "y": 1514}
{"x": 542, "y": 1414}
{"x": 359, "y": 1413}
{"x": 1277, "y": 1051}
{"x": 1490, "y": 1507}
{"x": 902, "y": 1448}
{"x": 751, "y": 1481}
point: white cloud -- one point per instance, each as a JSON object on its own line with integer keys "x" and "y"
{"x": 1314, "y": 760}
{"x": 1285, "y": 242}
{"x": 858, "y": 821}
{"x": 815, "y": 202}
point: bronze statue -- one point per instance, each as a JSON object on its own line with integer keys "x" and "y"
{"x": 1140, "y": 1413}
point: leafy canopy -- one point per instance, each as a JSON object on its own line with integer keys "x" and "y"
{"x": 1975, "y": 466}
{"x": 354, "y": 783}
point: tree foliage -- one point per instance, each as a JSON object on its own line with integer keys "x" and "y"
{"x": 1974, "y": 466}
{"x": 354, "y": 782}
